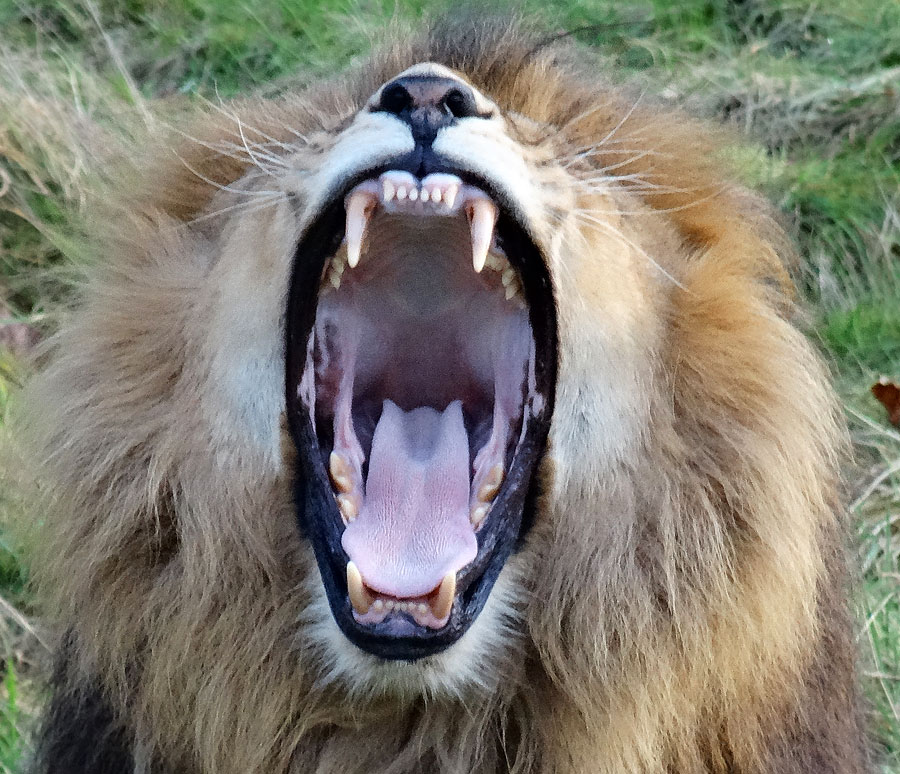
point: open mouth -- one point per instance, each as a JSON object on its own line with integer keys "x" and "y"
{"x": 420, "y": 371}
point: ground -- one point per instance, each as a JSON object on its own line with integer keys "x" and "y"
{"x": 812, "y": 90}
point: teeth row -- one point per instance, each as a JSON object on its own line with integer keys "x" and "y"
{"x": 436, "y": 194}
{"x": 363, "y": 601}
{"x": 398, "y": 188}
{"x": 486, "y": 493}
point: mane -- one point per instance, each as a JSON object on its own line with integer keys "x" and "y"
{"x": 683, "y": 639}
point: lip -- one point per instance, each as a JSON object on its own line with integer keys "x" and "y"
{"x": 513, "y": 509}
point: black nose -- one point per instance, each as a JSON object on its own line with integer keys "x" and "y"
{"x": 427, "y": 103}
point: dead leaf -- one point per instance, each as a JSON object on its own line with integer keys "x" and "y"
{"x": 888, "y": 393}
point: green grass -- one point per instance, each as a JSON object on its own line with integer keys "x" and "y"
{"x": 813, "y": 87}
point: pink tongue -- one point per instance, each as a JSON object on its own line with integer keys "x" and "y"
{"x": 413, "y": 527}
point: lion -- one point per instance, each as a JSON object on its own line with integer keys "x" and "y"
{"x": 449, "y": 415}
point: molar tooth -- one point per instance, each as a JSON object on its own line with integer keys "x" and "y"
{"x": 360, "y": 600}
{"x": 508, "y": 276}
{"x": 443, "y": 604}
{"x": 477, "y": 515}
{"x": 482, "y": 215}
{"x": 491, "y": 483}
{"x": 359, "y": 208}
{"x": 513, "y": 291}
{"x": 347, "y": 507}
{"x": 339, "y": 469}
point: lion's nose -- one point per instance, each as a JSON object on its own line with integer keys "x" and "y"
{"x": 427, "y": 103}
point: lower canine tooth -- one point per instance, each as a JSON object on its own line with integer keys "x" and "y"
{"x": 444, "y": 602}
{"x": 358, "y": 597}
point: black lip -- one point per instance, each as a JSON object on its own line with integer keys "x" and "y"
{"x": 513, "y": 509}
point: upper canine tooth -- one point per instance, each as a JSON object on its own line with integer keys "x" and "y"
{"x": 444, "y": 601}
{"x": 356, "y": 591}
{"x": 482, "y": 216}
{"x": 359, "y": 208}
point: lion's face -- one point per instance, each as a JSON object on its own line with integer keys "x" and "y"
{"x": 441, "y": 257}
{"x": 421, "y": 358}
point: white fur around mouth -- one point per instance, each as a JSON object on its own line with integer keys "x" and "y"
{"x": 421, "y": 354}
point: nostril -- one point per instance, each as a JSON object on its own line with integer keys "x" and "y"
{"x": 395, "y": 98}
{"x": 459, "y": 103}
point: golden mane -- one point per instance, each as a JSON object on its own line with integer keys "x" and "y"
{"x": 681, "y": 605}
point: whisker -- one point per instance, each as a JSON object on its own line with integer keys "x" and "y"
{"x": 604, "y": 227}
{"x": 247, "y": 206}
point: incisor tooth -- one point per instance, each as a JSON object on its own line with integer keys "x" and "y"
{"x": 359, "y": 208}
{"x": 340, "y": 472}
{"x": 401, "y": 192}
{"x": 358, "y": 597}
{"x": 387, "y": 188}
{"x": 449, "y": 196}
{"x": 482, "y": 215}
{"x": 436, "y": 195}
{"x": 444, "y": 601}
{"x": 413, "y": 194}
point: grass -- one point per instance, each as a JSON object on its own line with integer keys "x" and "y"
{"x": 814, "y": 87}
